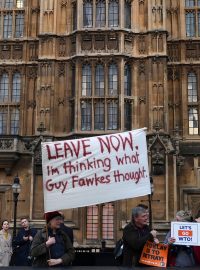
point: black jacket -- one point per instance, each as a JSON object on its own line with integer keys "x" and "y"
{"x": 41, "y": 253}
{"x": 134, "y": 240}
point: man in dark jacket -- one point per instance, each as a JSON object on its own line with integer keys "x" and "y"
{"x": 66, "y": 229}
{"x": 51, "y": 246}
{"x": 22, "y": 244}
{"x": 135, "y": 235}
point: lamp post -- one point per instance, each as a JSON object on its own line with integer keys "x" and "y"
{"x": 16, "y": 187}
{"x": 149, "y": 200}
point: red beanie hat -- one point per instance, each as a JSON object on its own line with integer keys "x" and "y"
{"x": 50, "y": 215}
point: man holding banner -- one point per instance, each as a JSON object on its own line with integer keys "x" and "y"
{"x": 135, "y": 235}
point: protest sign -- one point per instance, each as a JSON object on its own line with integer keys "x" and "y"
{"x": 94, "y": 170}
{"x": 154, "y": 254}
{"x": 186, "y": 233}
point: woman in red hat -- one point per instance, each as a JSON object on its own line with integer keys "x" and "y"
{"x": 51, "y": 246}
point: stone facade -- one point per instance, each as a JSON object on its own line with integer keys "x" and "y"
{"x": 98, "y": 67}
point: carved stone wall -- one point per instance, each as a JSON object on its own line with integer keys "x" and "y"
{"x": 50, "y": 56}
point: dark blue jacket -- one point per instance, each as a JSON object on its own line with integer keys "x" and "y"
{"x": 68, "y": 231}
{"x": 22, "y": 247}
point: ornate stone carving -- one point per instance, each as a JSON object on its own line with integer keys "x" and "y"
{"x": 32, "y": 72}
{"x": 141, "y": 67}
{"x": 63, "y": 3}
{"x": 142, "y": 99}
{"x": 5, "y": 51}
{"x": 62, "y": 47}
{"x": 31, "y": 104}
{"x": 61, "y": 101}
{"x": 61, "y": 69}
{"x": 18, "y": 52}
{"x": 6, "y": 144}
{"x": 141, "y": 44}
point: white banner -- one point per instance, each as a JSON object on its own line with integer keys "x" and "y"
{"x": 186, "y": 233}
{"x": 94, "y": 170}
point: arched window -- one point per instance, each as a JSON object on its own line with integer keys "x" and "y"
{"x": 113, "y": 80}
{"x": 4, "y": 87}
{"x": 99, "y": 80}
{"x": 16, "y": 89}
{"x": 100, "y": 13}
{"x": 19, "y": 25}
{"x": 88, "y": 14}
{"x": 190, "y": 24}
{"x": 113, "y": 13}
{"x": 192, "y": 87}
{"x": 86, "y": 80}
{"x": 127, "y": 80}
{"x": 14, "y": 121}
{"x": 7, "y": 25}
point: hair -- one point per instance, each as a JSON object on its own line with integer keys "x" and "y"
{"x": 24, "y": 218}
{"x": 137, "y": 211}
{"x": 143, "y": 206}
{"x": 184, "y": 215}
{"x": 4, "y": 221}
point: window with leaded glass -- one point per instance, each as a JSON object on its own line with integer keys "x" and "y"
{"x": 100, "y": 13}
{"x": 19, "y": 3}
{"x": 192, "y": 87}
{"x": 4, "y": 88}
{"x": 73, "y": 81}
{"x": 86, "y": 115}
{"x": 193, "y": 121}
{"x": 113, "y": 13}
{"x": 72, "y": 114}
{"x": 16, "y": 89}
{"x": 99, "y": 80}
{"x": 9, "y": 3}
{"x": 112, "y": 80}
{"x": 74, "y": 16}
{"x": 88, "y": 14}
{"x": 112, "y": 115}
{"x": 189, "y": 3}
{"x": 92, "y": 222}
{"x": 127, "y": 80}
{"x": 14, "y": 121}
{"x": 10, "y": 89}
{"x": 3, "y": 119}
{"x": 86, "y": 80}
{"x": 108, "y": 221}
{"x": 7, "y": 25}
{"x": 99, "y": 115}
{"x": 190, "y": 24}
{"x": 19, "y": 25}
{"x": 100, "y": 222}
{"x": 127, "y": 17}
{"x": 127, "y": 115}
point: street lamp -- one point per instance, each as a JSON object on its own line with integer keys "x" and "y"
{"x": 16, "y": 187}
{"x": 149, "y": 199}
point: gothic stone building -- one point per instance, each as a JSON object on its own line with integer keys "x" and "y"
{"x": 76, "y": 68}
